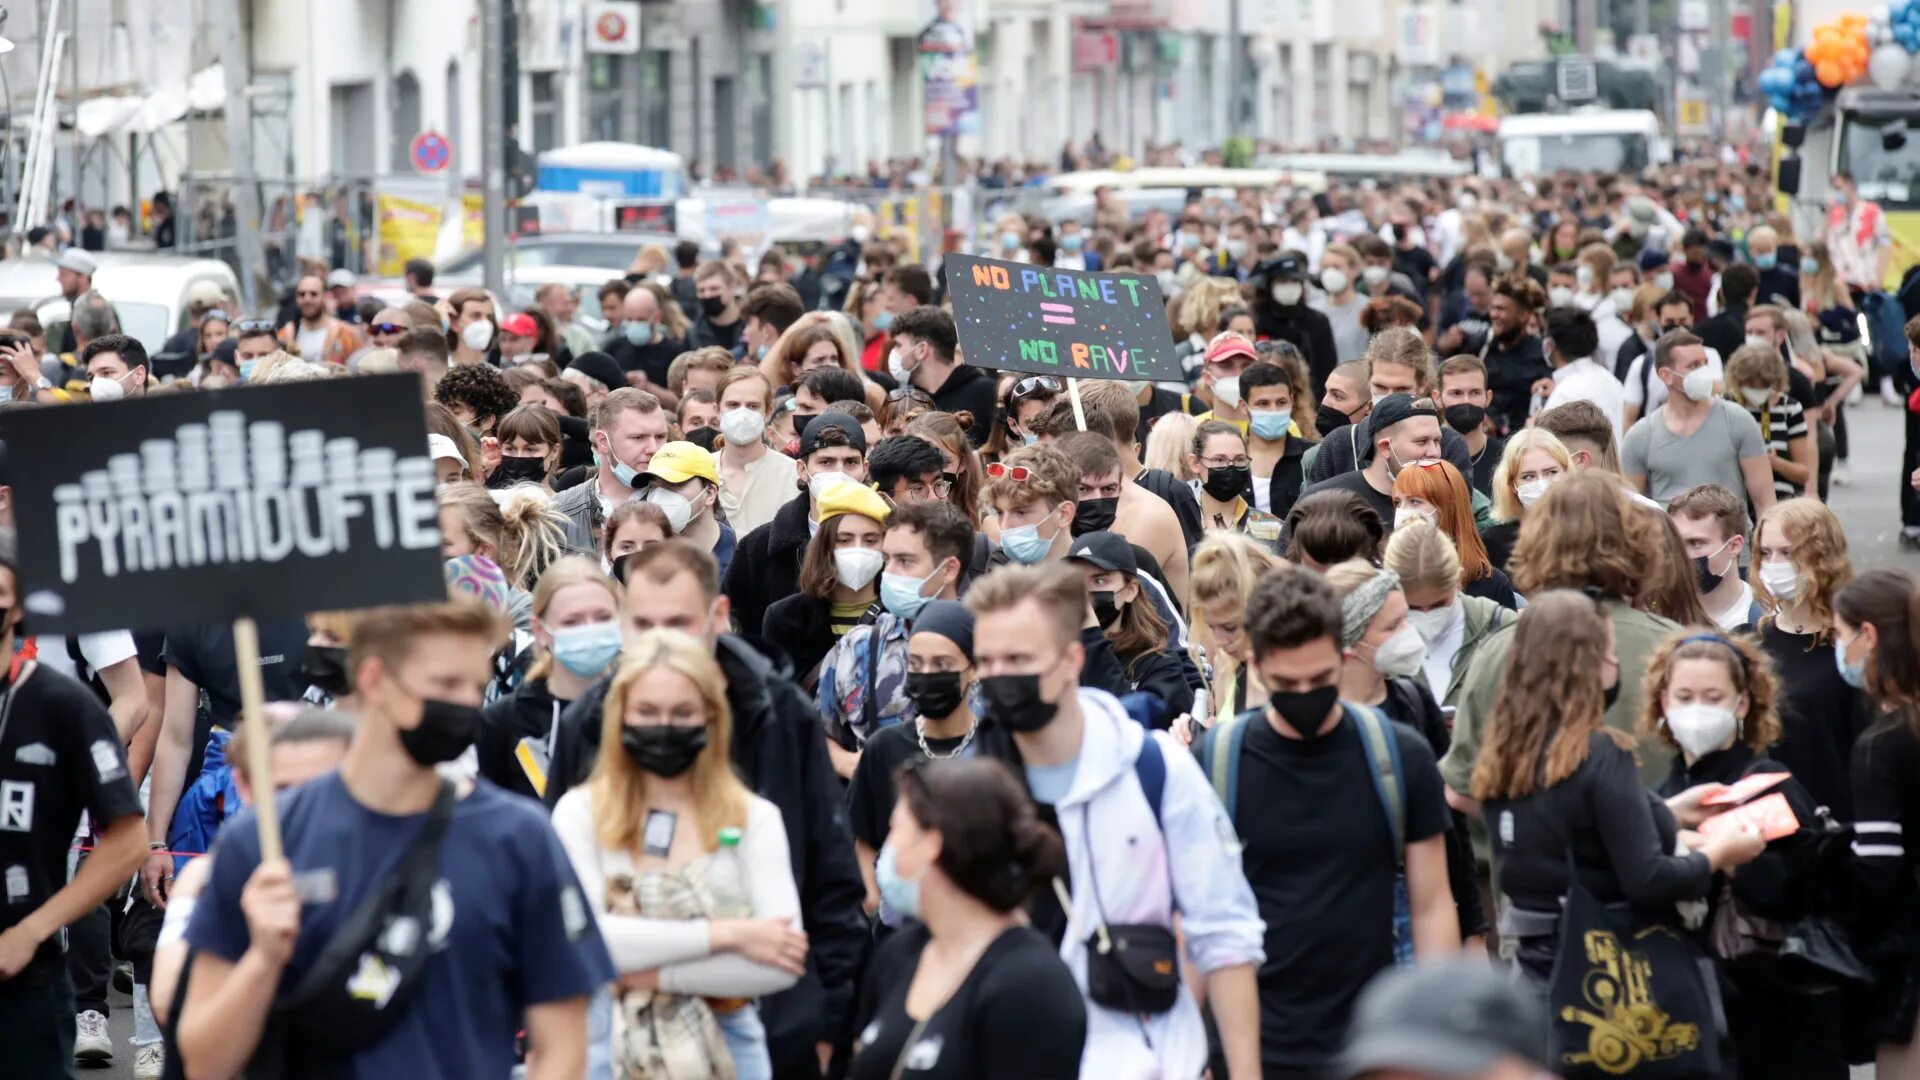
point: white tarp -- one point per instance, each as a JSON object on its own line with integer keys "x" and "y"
{"x": 143, "y": 114}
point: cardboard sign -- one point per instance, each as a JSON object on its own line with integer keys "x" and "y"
{"x": 1771, "y": 815}
{"x": 177, "y": 510}
{"x": 1071, "y": 323}
{"x": 1745, "y": 789}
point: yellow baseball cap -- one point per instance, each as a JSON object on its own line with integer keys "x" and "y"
{"x": 852, "y": 499}
{"x": 679, "y": 462}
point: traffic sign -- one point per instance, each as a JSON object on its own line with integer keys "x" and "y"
{"x": 430, "y": 152}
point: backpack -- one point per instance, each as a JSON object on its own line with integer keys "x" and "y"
{"x": 1220, "y": 752}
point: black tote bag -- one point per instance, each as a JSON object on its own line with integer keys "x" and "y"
{"x": 1628, "y": 996}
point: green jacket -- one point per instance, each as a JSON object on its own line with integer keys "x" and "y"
{"x": 1636, "y": 634}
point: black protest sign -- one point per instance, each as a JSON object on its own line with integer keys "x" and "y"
{"x": 179, "y": 510}
{"x": 1071, "y": 323}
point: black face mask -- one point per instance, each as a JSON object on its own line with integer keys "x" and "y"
{"x": 1465, "y": 418}
{"x": 1228, "y": 482}
{"x": 1611, "y": 694}
{"x": 325, "y": 668}
{"x": 935, "y": 694}
{"x": 444, "y": 733}
{"x": 1094, "y": 515}
{"x": 517, "y": 469}
{"x": 713, "y": 305}
{"x": 1305, "y": 711}
{"x": 663, "y": 749}
{"x": 1105, "y": 611}
{"x": 1013, "y": 702}
{"x": 1327, "y": 418}
{"x": 1705, "y": 578}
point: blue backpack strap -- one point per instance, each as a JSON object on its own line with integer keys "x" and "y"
{"x": 1383, "y": 751}
{"x": 1151, "y": 769}
{"x": 1220, "y": 757}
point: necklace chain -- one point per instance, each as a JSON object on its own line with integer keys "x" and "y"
{"x": 920, "y": 732}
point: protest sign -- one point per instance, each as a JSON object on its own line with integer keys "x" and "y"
{"x": 178, "y": 510}
{"x": 1071, "y": 323}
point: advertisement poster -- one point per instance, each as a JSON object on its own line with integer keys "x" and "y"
{"x": 949, "y": 77}
{"x": 406, "y": 229}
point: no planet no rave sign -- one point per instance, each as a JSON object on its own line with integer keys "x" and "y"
{"x": 1071, "y": 323}
{"x": 179, "y": 510}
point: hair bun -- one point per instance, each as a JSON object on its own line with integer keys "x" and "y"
{"x": 1038, "y": 852}
{"x": 965, "y": 418}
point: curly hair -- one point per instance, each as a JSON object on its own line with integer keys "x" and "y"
{"x": 479, "y": 387}
{"x": 1577, "y": 537}
{"x": 1550, "y": 700}
{"x": 1819, "y": 553}
{"x": 1748, "y": 667}
{"x": 1522, "y": 290}
{"x": 1333, "y": 526}
{"x": 1442, "y": 486}
{"x": 1387, "y": 312}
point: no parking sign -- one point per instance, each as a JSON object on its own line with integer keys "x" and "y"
{"x": 430, "y": 152}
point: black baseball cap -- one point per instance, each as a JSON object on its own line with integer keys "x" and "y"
{"x": 1394, "y": 408}
{"x": 810, "y": 438}
{"x": 1283, "y": 268}
{"x": 1106, "y": 550}
{"x": 1442, "y": 1020}
{"x": 601, "y": 368}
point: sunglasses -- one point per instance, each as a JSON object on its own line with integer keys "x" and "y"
{"x": 1034, "y": 384}
{"x": 253, "y": 326}
{"x": 389, "y": 328}
{"x": 1019, "y": 474}
{"x": 909, "y": 393}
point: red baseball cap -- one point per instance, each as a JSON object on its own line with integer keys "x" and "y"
{"x": 519, "y": 324}
{"x": 1228, "y": 344}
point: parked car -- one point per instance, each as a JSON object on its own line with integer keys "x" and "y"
{"x": 148, "y": 292}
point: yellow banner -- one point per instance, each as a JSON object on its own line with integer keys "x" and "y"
{"x": 473, "y": 221}
{"x": 407, "y": 229}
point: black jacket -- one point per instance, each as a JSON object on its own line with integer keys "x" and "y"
{"x": 1309, "y": 331}
{"x": 975, "y": 390}
{"x": 1512, "y": 369}
{"x": 1288, "y": 479}
{"x": 705, "y": 334}
{"x": 802, "y": 625}
{"x": 1725, "y": 332}
{"x": 1158, "y": 672}
{"x": 1175, "y": 493}
{"x": 686, "y": 293}
{"x": 779, "y": 752}
{"x": 1765, "y": 886}
{"x": 653, "y": 358}
{"x": 530, "y": 712}
{"x": 766, "y": 565}
{"x": 1102, "y": 669}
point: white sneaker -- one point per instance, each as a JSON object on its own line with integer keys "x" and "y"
{"x": 151, "y": 1062}
{"x": 1890, "y": 393}
{"x": 1854, "y": 395}
{"x": 1842, "y": 476}
{"x": 91, "y": 1043}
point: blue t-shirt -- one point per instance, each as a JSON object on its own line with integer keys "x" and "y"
{"x": 510, "y": 929}
{"x": 1050, "y": 783}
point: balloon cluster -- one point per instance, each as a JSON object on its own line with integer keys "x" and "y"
{"x": 1900, "y": 25}
{"x": 1791, "y": 85}
{"x": 1839, "y": 51}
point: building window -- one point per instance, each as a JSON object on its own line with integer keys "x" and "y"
{"x": 405, "y": 111}
{"x": 655, "y": 125}
{"x": 545, "y": 126}
{"x": 604, "y": 98}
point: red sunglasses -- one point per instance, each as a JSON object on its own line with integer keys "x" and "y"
{"x": 1019, "y": 474}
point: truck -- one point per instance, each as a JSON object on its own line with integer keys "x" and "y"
{"x": 1865, "y": 133}
{"x": 1585, "y": 140}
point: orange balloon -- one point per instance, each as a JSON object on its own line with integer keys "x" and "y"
{"x": 1829, "y": 74}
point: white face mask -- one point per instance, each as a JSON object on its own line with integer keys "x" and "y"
{"x": 857, "y": 567}
{"x": 1335, "y": 281}
{"x": 477, "y": 336}
{"x": 1759, "y": 339}
{"x": 859, "y": 234}
{"x": 819, "y": 482}
{"x": 102, "y": 388}
{"x": 1401, "y": 655}
{"x": 678, "y": 508}
{"x": 1287, "y": 293}
{"x": 1531, "y": 491}
{"x": 1433, "y": 625}
{"x": 1502, "y": 264}
{"x": 1584, "y": 276}
{"x": 1701, "y": 729}
{"x": 1226, "y": 391}
{"x": 742, "y": 426}
{"x": 1756, "y": 395}
{"x": 897, "y": 367}
{"x": 1697, "y": 384}
{"x": 1374, "y": 276}
{"x": 1559, "y": 296}
{"x": 1622, "y": 301}
{"x": 1408, "y": 513}
{"x": 1664, "y": 280}
{"x": 1782, "y": 580}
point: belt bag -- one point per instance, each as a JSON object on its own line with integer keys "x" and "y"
{"x": 1132, "y": 968}
{"x": 367, "y": 973}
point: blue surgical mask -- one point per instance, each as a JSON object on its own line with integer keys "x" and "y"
{"x": 1767, "y": 261}
{"x": 1029, "y": 439}
{"x": 246, "y": 370}
{"x": 587, "y": 649}
{"x": 1269, "y": 425}
{"x": 901, "y": 594}
{"x": 1809, "y": 266}
{"x": 1010, "y": 241}
{"x": 883, "y": 321}
{"x": 639, "y": 333}
{"x": 1854, "y": 675}
{"x": 1072, "y": 242}
{"x": 1024, "y": 545}
{"x": 621, "y": 470}
{"x": 900, "y": 894}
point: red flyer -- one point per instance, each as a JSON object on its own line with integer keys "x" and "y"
{"x": 1771, "y": 815}
{"x": 1745, "y": 789}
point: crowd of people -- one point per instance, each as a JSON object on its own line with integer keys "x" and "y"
{"x": 1458, "y": 612}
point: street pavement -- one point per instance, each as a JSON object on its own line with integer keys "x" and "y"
{"x": 1868, "y": 508}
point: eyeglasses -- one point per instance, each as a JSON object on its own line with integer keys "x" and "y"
{"x": 936, "y": 489}
{"x": 253, "y": 326}
{"x": 1019, "y": 474}
{"x": 215, "y": 315}
{"x": 1240, "y": 462}
{"x": 909, "y": 393}
{"x": 389, "y": 328}
{"x": 1034, "y": 384}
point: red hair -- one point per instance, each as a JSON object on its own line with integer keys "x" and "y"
{"x": 1443, "y": 486}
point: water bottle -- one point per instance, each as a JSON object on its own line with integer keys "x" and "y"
{"x": 727, "y": 879}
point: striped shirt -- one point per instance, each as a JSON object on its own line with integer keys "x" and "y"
{"x": 1780, "y": 423}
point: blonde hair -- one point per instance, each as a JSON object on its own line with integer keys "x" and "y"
{"x": 1506, "y": 504}
{"x": 1056, "y": 587}
{"x": 1819, "y": 553}
{"x": 1424, "y": 557}
{"x": 1200, "y": 306}
{"x": 566, "y": 571}
{"x": 1225, "y": 567}
{"x": 535, "y": 534}
{"x": 617, "y": 788}
{"x": 1168, "y": 444}
{"x": 1404, "y": 346}
{"x": 1748, "y": 668}
{"x": 265, "y": 366}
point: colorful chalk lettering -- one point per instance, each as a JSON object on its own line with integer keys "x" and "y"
{"x": 1016, "y": 317}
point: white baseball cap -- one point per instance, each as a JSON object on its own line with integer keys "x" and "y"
{"x": 443, "y": 447}
{"x": 77, "y": 261}
{"x": 342, "y": 279}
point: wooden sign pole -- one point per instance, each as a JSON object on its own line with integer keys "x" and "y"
{"x": 1079, "y": 412}
{"x": 253, "y": 720}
